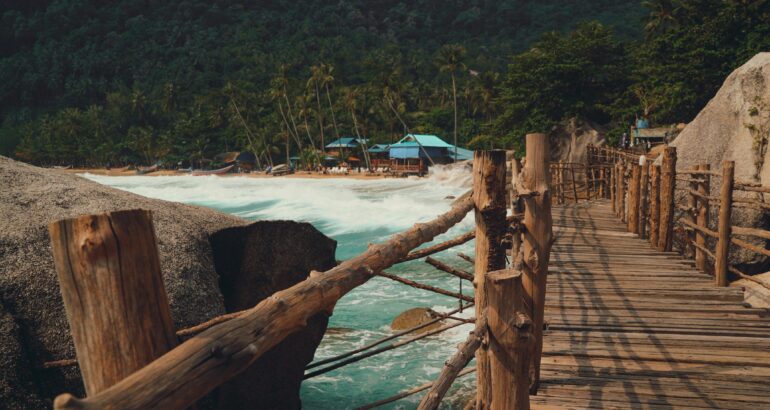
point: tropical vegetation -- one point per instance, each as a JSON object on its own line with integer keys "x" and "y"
{"x": 127, "y": 81}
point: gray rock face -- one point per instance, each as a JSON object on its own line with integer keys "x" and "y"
{"x": 254, "y": 262}
{"x": 735, "y": 126}
{"x": 569, "y": 141}
{"x": 33, "y": 325}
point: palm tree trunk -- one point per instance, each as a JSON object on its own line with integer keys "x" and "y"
{"x": 291, "y": 117}
{"x": 454, "y": 95}
{"x": 366, "y": 154}
{"x": 320, "y": 116}
{"x": 331, "y": 108}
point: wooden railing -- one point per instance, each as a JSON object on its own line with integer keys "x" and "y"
{"x": 645, "y": 196}
{"x": 131, "y": 358}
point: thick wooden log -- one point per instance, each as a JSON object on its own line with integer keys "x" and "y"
{"x": 490, "y": 209}
{"x": 620, "y": 194}
{"x": 613, "y": 187}
{"x": 191, "y": 370}
{"x": 690, "y": 215}
{"x": 538, "y": 238}
{"x": 633, "y": 198}
{"x": 510, "y": 340}
{"x": 667, "y": 187}
{"x": 702, "y": 219}
{"x": 574, "y": 183}
{"x": 644, "y": 180}
{"x": 725, "y": 227}
{"x": 654, "y": 205}
{"x": 111, "y": 283}
{"x": 454, "y": 366}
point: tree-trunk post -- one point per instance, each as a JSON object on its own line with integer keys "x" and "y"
{"x": 613, "y": 172}
{"x": 704, "y": 188}
{"x": 667, "y": 186}
{"x": 537, "y": 241}
{"x": 690, "y": 215}
{"x": 654, "y": 205}
{"x": 490, "y": 208}
{"x": 510, "y": 338}
{"x": 111, "y": 284}
{"x": 633, "y": 198}
{"x": 725, "y": 229}
{"x": 622, "y": 191}
{"x": 574, "y": 183}
{"x": 644, "y": 180}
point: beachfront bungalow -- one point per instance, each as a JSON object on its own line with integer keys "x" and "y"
{"x": 413, "y": 153}
{"x": 379, "y": 155}
{"x": 344, "y": 146}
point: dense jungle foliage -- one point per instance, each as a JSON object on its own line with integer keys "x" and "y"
{"x": 87, "y": 82}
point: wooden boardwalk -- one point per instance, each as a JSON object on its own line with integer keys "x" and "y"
{"x": 630, "y": 327}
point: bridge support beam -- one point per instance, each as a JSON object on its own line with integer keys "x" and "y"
{"x": 725, "y": 228}
{"x": 667, "y": 185}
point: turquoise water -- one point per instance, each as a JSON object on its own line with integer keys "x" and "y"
{"x": 355, "y": 213}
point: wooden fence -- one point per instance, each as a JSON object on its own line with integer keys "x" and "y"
{"x": 131, "y": 357}
{"x": 645, "y": 196}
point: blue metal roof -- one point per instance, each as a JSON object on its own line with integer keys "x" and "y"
{"x": 425, "y": 140}
{"x": 346, "y": 142}
{"x": 462, "y": 154}
{"x": 378, "y": 148}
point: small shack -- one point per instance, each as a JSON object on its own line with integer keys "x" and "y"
{"x": 345, "y": 146}
{"x": 379, "y": 155}
{"x": 413, "y": 153}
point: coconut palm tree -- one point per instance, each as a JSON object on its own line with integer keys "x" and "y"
{"x": 450, "y": 59}
{"x": 663, "y": 15}
{"x": 352, "y": 96}
{"x": 326, "y": 79}
{"x": 316, "y": 78}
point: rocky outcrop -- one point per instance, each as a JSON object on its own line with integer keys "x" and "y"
{"x": 415, "y": 317}
{"x": 254, "y": 262}
{"x": 735, "y": 125}
{"x": 569, "y": 140}
{"x": 33, "y": 326}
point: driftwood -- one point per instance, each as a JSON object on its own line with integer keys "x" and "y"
{"x": 448, "y": 269}
{"x": 453, "y": 366}
{"x": 191, "y": 370}
{"x": 489, "y": 197}
{"x": 111, "y": 284}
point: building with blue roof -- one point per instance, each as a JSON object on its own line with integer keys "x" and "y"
{"x": 413, "y": 153}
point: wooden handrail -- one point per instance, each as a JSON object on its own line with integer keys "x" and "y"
{"x": 188, "y": 372}
{"x": 699, "y": 228}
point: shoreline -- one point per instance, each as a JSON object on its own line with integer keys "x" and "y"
{"x": 166, "y": 173}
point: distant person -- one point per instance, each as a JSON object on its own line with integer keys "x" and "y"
{"x": 624, "y": 141}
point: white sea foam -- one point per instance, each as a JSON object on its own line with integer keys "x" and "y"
{"x": 336, "y": 206}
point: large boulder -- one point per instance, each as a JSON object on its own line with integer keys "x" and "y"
{"x": 32, "y": 319}
{"x": 735, "y": 125}
{"x": 254, "y": 262}
{"x": 569, "y": 140}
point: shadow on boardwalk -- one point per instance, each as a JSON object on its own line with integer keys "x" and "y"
{"x": 631, "y": 327}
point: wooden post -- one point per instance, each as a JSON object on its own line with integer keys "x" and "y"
{"x": 574, "y": 184}
{"x": 116, "y": 305}
{"x": 490, "y": 209}
{"x": 667, "y": 185}
{"x": 704, "y": 188}
{"x": 509, "y": 340}
{"x": 562, "y": 182}
{"x": 725, "y": 229}
{"x": 622, "y": 191}
{"x": 537, "y": 241}
{"x": 633, "y": 198}
{"x": 613, "y": 172}
{"x": 644, "y": 179}
{"x": 692, "y": 202}
{"x": 654, "y": 205}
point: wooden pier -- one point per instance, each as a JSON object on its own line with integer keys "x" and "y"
{"x": 598, "y": 291}
{"x": 632, "y": 327}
